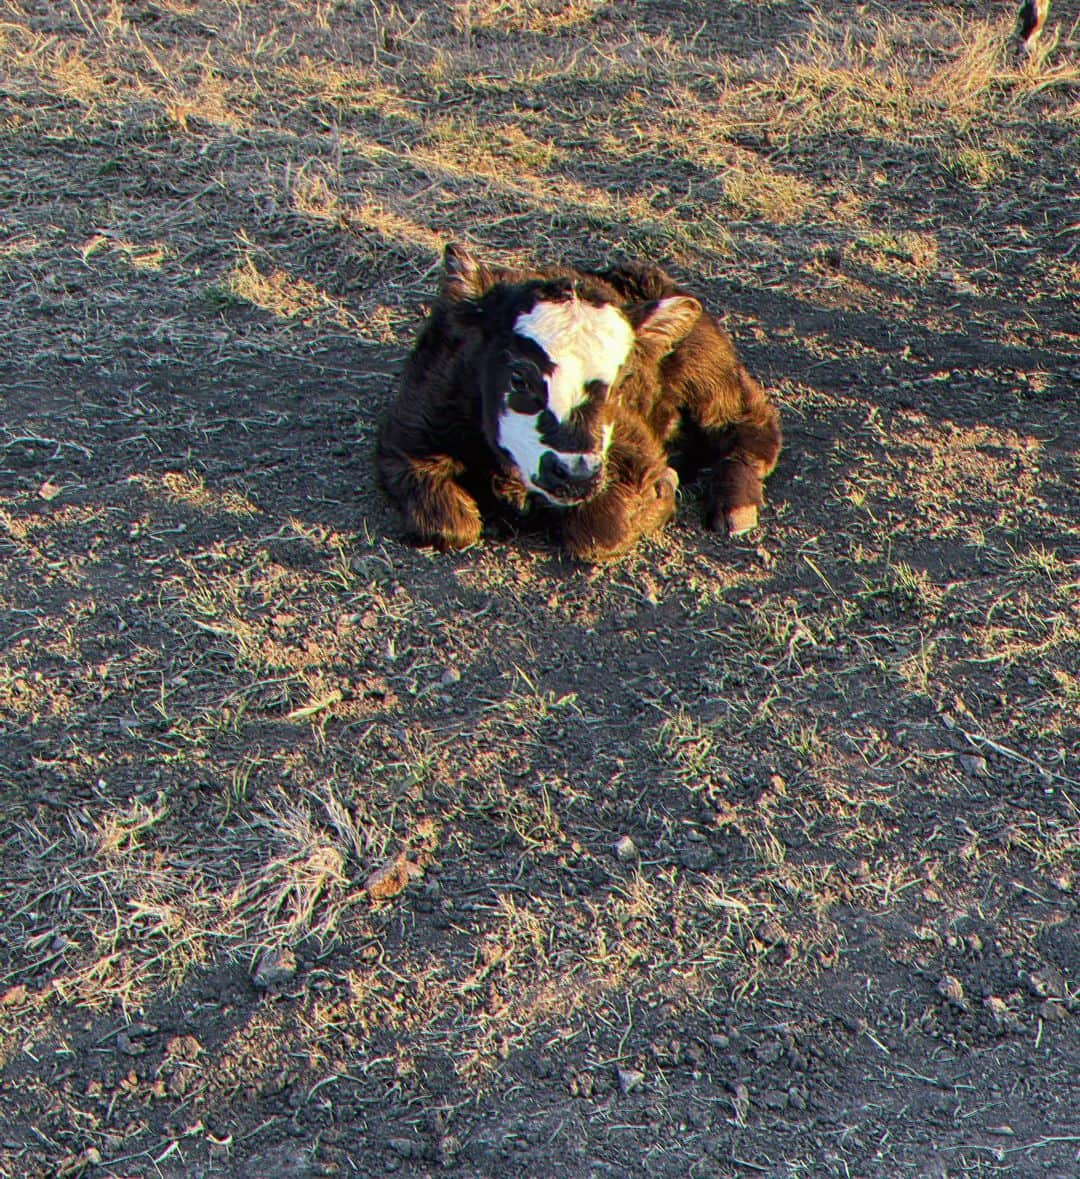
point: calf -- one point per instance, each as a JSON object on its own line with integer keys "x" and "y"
{"x": 570, "y": 388}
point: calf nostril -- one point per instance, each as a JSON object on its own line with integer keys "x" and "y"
{"x": 574, "y": 473}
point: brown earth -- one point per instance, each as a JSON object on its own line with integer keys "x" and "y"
{"x": 738, "y": 858}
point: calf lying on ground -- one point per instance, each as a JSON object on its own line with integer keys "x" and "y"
{"x": 571, "y": 387}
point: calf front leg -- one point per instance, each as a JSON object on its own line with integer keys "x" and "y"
{"x": 437, "y": 510}
{"x": 637, "y": 500}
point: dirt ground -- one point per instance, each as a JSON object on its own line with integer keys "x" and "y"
{"x": 322, "y": 854}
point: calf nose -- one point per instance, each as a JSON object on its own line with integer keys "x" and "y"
{"x": 568, "y": 476}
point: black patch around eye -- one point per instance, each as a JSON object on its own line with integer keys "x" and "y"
{"x": 524, "y": 401}
{"x": 525, "y": 395}
{"x": 532, "y": 352}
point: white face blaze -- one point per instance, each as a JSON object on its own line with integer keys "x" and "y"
{"x": 585, "y": 343}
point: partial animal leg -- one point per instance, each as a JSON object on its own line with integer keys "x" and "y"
{"x": 436, "y": 508}
{"x": 638, "y": 499}
{"x": 745, "y": 452}
{"x": 740, "y": 426}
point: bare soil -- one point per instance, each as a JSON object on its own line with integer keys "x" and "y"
{"x": 750, "y": 857}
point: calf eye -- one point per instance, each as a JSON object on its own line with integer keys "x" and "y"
{"x": 523, "y": 396}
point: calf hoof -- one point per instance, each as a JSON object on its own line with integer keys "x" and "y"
{"x": 459, "y": 528}
{"x": 669, "y": 479}
{"x": 459, "y": 538}
{"x": 742, "y": 519}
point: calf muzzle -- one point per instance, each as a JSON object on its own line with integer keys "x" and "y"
{"x": 569, "y": 479}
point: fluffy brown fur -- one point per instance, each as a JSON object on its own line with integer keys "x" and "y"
{"x": 439, "y": 461}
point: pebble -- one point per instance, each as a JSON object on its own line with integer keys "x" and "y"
{"x": 952, "y": 989}
{"x": 771, "y": 933}
{"x": 999, "y": 1009}
{"x": 625, "y": 849}
{"x": 128, "y": 1046}
{"x": 697, "y": 857}
{"x": 274, "y": 968}
{"x": 1044, "y": 983}
{"x": 629, "y": 1080}
{"x": 183, "y": 1048}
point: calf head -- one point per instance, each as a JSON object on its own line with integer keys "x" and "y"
{"x": 548, "y": 356}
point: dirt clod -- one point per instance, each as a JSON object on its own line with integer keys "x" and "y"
{"x": 392, "y": 877}
{"x": 274, "y": 968}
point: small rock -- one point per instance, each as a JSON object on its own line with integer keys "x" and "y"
{"x": 999, "y": 1009}
{"x": 275, "y": 967}
{"x": 629, "y": 1079}
{"x": 697, "y": 857}
{"x": 1044, "y": 983}
{"x": 183, "y": 1048}
{"x": 974, "y": 766}
{"x": 48, "y": 491}
{"x": 1052, "y": 1011}
{"x": 771, "y": 933}
{"x": 450, "y": 676}
{"x": 625, "y": 849}
{"x": 775, "y": 1099}
{"x": 952, "y": 989}
{"x": 128, "y": 1046}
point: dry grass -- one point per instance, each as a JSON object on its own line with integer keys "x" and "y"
{"x": 845, "y": 751}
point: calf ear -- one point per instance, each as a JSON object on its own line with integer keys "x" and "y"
{"x": 663, "y": 323}
{"x": 464, "y": 277}
{"x": 467, "y": 278}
